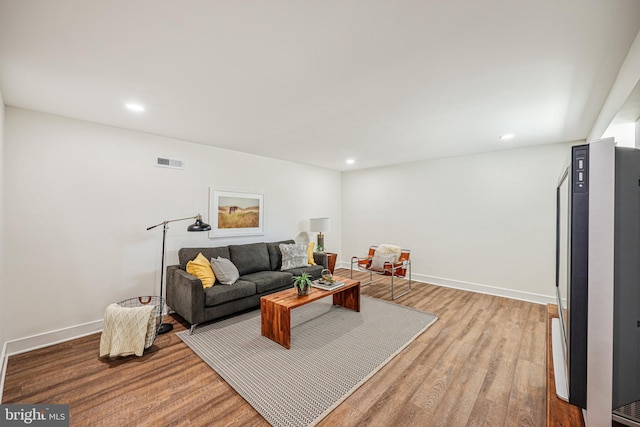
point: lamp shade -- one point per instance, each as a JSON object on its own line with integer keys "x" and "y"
{"x": 199, "y": 225}
{"x": 319, "y": 224}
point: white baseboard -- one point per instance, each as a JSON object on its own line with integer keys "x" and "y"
{"x": 485, "y": 289}
{"x": 33, "y": 342}
{"x": 475, "y": 287}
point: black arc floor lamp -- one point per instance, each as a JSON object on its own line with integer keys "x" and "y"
{"x": 196, "y": 226}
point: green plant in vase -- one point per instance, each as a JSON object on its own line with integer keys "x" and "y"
{"x": 302, "y": 283}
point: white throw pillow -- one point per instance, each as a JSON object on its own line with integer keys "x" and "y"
{"x": 225, "y": 271}
{"x": 377, "y": 263}
{"x": 294, "y": 255}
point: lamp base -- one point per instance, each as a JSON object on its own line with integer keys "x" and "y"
{"x": 164, "y": 328}
{"x": 320, "y": 242}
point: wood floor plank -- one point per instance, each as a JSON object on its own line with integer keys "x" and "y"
{"x": 459, "y": 399}
{"x": 389, "y": 404}
{"x": 481, "y": 364}
{"x": 523, "y": 409}
{"x": 558, "y": 412}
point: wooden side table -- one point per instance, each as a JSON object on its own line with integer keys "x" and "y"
{"x": 331, "y": 261}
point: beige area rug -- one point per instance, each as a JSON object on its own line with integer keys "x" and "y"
{"x": 333, "y": 351}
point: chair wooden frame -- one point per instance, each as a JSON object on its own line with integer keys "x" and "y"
{"x": 401, "y": 268}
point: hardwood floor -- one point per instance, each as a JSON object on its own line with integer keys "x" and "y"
{"x": 559, "y": 412}
{"x": 481, "y": 364}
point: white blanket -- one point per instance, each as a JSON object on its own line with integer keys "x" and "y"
{"x": 127, "y": 330}
{"x": 385, "y": 253}
{"x": 385, "y": 249}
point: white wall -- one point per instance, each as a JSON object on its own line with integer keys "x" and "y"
{"x": 79, "y": 197}
{"x": 628, "y": 78}
{"x": 483, "y": 222}
{"x": 623, "y": 133}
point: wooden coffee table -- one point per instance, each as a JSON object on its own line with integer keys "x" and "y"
{"x": 275, "y": 309}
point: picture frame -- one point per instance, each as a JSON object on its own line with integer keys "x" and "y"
{"x": 235, "y": 213}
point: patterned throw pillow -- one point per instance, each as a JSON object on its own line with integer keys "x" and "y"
{"x": 294, "y": 255}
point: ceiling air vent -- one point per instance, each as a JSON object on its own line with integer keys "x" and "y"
{"x": 164, "y": 162}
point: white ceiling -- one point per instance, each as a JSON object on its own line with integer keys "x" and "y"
{"x": 317, "y": 82}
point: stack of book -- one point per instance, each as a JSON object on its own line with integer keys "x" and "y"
{"x": 327, "y": 286}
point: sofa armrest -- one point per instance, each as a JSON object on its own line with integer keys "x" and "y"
{"x": 321, "y": 258}
{"x": 185, "y": 294}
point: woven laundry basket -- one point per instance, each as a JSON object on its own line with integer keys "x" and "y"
{"x": 157, "y": 302}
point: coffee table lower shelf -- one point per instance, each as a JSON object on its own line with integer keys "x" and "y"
{"x": 275, "y": 309}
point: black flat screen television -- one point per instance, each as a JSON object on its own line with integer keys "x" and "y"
{"x": 572, "y": 274}
{"x": 572, "y": 259}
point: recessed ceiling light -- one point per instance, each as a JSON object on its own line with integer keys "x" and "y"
{"x": 134, "y": 107}
{"x": 507, "y": 136}
{"x": 350, "y": 161}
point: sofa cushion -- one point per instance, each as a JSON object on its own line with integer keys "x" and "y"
{"x": 275, "y": 255}
{"x": 187, "y": 254}
{"x": 226, "y": 273}
{"x": 224, "y": 293}
{"x": 313, "y": 270}
{"x": 269, "y": 280}
{"x": 250, "y": 258}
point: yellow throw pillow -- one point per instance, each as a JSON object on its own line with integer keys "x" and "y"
{"x": 201, "y": 268}
{"x": 310, "y": 248}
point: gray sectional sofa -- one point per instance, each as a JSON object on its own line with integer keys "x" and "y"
{"x": 259, "y": 265}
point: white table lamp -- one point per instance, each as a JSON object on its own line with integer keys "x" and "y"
{"x": 319, "y": 225}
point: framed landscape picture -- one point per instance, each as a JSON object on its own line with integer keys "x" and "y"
{"x": 235, "y": 213}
